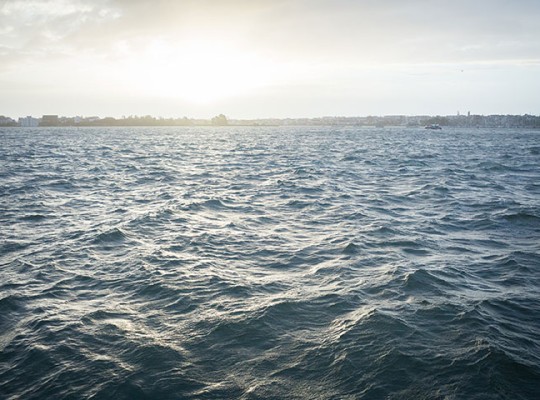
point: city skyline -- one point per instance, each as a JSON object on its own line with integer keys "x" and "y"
{"x": 411, "y": 121}
{"x": 262, "y": 59}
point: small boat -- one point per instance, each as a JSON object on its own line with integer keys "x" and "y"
{"x": 433, "y": 126}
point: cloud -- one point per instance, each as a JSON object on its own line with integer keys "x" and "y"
{"x": 327, "y": 47}
{"x": 40, "y": 29}
{"x": 364, "y": 31}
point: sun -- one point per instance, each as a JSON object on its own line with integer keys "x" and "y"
{"x": 200, "y": 71}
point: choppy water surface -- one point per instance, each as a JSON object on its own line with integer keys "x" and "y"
{"x": 255, "y": 263}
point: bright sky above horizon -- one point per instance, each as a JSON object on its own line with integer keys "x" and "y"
{"x": 269, "y": 58}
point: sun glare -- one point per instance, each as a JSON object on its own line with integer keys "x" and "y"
{"x": 201, "y": 71}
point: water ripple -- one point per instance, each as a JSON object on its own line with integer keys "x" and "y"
{"x": 171, "y": 263}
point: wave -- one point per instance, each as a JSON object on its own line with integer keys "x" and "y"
{"x": 269, "y": 263}
{"x": 523, "y": 218}
{"x": 111, "y": 236}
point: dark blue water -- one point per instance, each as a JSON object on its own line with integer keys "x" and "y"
{"x": 269, "y": 263}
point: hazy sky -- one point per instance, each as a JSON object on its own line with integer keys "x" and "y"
{"x": 269, "y": 58}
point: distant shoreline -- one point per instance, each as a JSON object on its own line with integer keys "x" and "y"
{"x": 457, "y": 121}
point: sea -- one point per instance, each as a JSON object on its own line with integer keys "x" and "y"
{"x": 269, "y": 263}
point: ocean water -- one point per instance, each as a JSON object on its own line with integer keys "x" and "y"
{"x": 269, "y": 263}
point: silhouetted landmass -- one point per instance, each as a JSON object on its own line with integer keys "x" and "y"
{"x": 468, "y": 121}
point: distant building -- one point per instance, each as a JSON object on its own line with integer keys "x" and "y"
{"x": 28, "y": 122}
{"x": 49, "y": 120}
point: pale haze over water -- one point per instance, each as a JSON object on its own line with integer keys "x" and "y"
{"x": 254, "y": 59}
